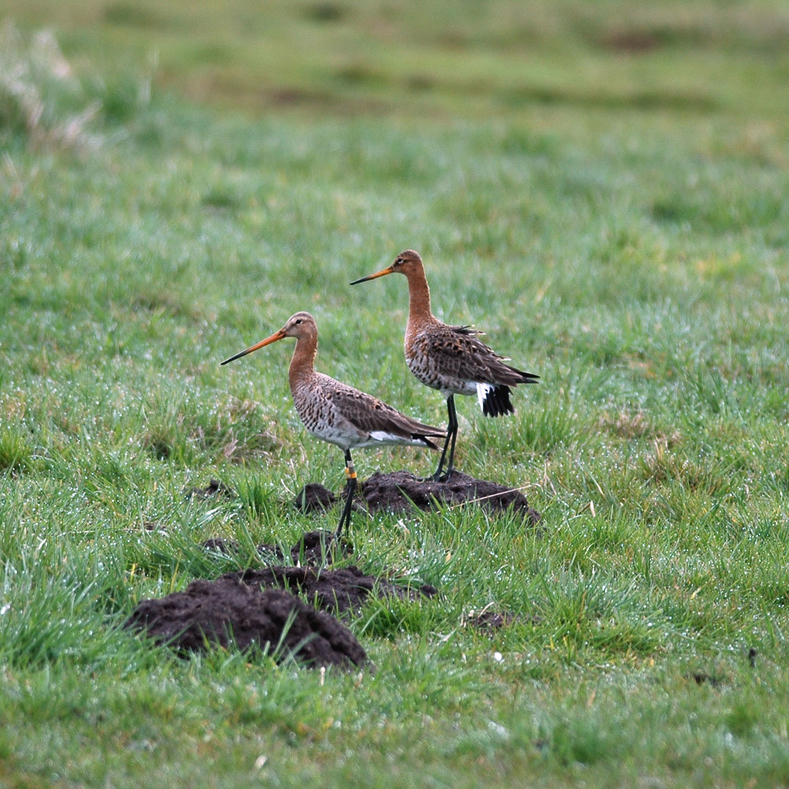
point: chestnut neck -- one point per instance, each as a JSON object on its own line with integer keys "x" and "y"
{"x": 303, "y": 360}
{"x": 419, "y": 312}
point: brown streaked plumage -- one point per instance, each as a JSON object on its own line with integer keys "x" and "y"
{"x": 451, "y": 358}
{"x": 338, "y": 413}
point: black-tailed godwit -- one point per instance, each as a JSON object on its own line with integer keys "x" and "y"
{"x": 451, "y": 358}
{"x": 338, "y": 413}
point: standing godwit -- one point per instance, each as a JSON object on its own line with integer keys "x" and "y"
{"x": 338, "y": 413}
{"x": 451, "y": 358}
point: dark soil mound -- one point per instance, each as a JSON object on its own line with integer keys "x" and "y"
{"x": 400, "y": 490}
{"x": 335, "y": 591}
{"x": 234, "y": 609}
{"x": 314, "y": 496}
{"x": 315, "y": 548}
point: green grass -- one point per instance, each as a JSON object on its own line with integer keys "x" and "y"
{"x": 631, "y": 252}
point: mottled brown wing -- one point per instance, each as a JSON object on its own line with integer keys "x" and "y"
{"x": 369, "y": 414}
{"x": 455, "y": 352}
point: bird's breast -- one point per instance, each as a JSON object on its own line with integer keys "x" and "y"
{"x": 314, "y": 408}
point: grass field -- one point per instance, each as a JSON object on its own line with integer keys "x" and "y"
{"x": 600, "y": 187}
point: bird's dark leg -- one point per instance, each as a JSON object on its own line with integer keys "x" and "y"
{"x": 454, "y": 425}
{"x": 452, "y": 434}
{"x": 350, "y": 489}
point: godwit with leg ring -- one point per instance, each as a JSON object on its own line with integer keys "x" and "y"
{"x": 451, "y": 358}
{"x": 338, "y": 413}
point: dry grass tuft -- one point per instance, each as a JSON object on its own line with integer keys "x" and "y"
{"x": 39, "y": 93}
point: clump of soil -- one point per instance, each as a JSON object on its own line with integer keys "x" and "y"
{"x": 316, "y": 548}
{"x": 400, "y": 491}
{"x": 334, "y": 591}
{"x": 314, "y": 497}
{"x": 237, "y": 609}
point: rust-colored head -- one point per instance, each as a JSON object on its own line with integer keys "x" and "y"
{"x": 407, "y": 262}
{"x": 302, "y": 324}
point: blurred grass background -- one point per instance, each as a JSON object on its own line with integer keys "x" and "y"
{"x": 495, "y": 57}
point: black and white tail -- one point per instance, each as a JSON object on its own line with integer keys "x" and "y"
{"x": 494, "y": 400}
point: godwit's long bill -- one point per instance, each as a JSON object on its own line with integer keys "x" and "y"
{"x": 451, "y": 358}
{"x": 338, "y": 413}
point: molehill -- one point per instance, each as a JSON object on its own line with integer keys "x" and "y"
{"x": 260, "y": 609}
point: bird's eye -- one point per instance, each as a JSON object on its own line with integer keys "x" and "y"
{"x": 298, "y": 321}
